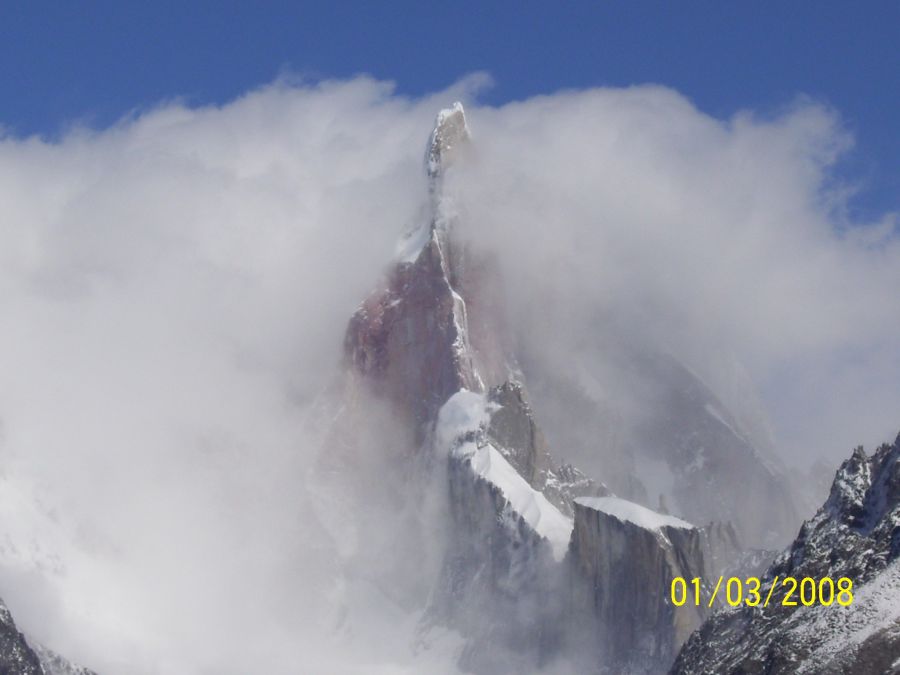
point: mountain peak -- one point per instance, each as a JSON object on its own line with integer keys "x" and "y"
{"x": 450, "y": 131}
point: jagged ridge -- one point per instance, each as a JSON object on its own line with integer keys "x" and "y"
{"x": 855, "y": 534}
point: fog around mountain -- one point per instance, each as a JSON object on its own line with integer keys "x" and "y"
{"x": 176, "y": 290}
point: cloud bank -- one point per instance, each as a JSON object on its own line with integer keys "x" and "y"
{"x": 175, "y": 291}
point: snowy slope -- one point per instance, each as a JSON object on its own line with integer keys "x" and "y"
{"x": 854, "y": 535}
{"x": 464, "y": 417}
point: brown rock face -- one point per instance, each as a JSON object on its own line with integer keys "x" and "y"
{"x": 409, "y": 341}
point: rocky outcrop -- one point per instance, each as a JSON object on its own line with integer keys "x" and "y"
{"x": 408, "y": 341}
{"x": 54, "y": 664}
{"x": 448, "y": 138}
{"x": 515, "y": 433}
{"x": 856, "y": 534}
{"x": 513, "y": 429}
{"x": 625, "y": 557}
{"x": 16, "y": 656}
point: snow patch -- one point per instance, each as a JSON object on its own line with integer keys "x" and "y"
{"x": 462, "y": 417}
{"x": 464, "y": 412}
{"x": 835, "y": 629}
{"x": 629, "y": 512}
{"x": 531, "y": 505}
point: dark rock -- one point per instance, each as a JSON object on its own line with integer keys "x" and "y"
{"x": 853, "y": 535}
{"x": 16, "y": 656}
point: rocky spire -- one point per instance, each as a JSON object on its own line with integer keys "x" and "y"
{"x": 409, "y": 340}
{"x": 450, "y": 133}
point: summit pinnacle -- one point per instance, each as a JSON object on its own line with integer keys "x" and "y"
{"x": 450, "y": 131}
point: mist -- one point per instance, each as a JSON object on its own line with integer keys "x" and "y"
{"x": 724, "y": 242}
{"x": 176, "y": 289}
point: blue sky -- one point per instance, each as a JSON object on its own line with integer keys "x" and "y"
{"x": 93, "y": 62}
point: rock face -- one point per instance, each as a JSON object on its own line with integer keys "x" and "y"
{"x": 16, "y": 656}
{"x": 856, "y": 534}
{"x": 514, "y": 432}
{"x": 408, "y": 341}
{"x": 513, "y": 429}
{"x": 449, "y": 137}
{"x": 54, "y": 664}
{"x": 625, "y": 557}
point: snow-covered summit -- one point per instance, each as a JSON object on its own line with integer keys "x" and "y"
{"x": 450, "y": 132}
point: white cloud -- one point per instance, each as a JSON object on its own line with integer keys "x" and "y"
{"x": 175, "y": 291}
{"x": 717, "y": 238}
